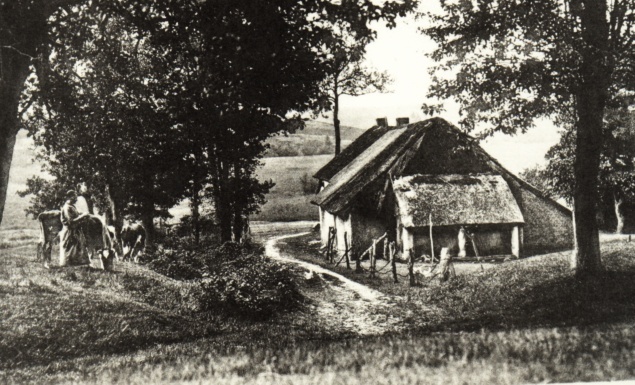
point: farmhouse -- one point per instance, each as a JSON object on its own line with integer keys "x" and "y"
{"x": 428, "y": 185}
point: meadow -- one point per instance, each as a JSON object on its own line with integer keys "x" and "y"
{"x": 517, "y": 322}
{"x": 287, "y": 201}
{"x": 526, "y": 321}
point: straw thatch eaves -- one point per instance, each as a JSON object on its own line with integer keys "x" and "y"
{"x": 455, "y": 200}
{"x": 383, "y": 156}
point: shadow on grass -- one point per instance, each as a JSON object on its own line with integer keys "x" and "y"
{"x": 39, "y": 329}
{"x": 47, "y": 316}
{"x": 539, "y": 292}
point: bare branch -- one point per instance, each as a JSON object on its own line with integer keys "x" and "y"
{"x": 16, "y": 50}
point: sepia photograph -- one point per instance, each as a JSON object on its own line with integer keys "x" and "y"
{"x": 317, "y": 192}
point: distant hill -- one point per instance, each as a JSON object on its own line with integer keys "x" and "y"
{"x": 317, "y": 138}
{"x": 314, "y": 127}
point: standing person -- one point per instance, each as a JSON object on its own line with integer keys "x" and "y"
{"x": 71, "y": 238}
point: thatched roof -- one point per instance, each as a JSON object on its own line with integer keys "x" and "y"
{"x": 372, "y": 163}
{"x": 351, "y": 152}
{"x": 455, "y": 200}
{"x": 384, "y": 151}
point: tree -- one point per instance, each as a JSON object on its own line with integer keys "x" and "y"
{"x": 515, "y": 61}
{"x": 537, "y": 177}
{"x": 240, "y": 70}
{"x": 235, "y": 99}
{"x": 99, "y": 116}
{"x": 616, "y": 179}
{"x": 23, "y": 36}
{"x": 348, "y": 76}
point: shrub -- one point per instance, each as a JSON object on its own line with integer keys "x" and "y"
{"x": 178, "y": 264}
{"x": 185, "y": 227}
{"x": 236, "y": 278}
{"x": 309, "y": 184}
{"x": 250, "y": 285}
{"x": 179, "y": 258}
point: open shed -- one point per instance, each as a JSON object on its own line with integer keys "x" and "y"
{"x": 468, "y": 214}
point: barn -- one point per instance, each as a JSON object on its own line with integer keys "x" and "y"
{"x": 427, "y": 185}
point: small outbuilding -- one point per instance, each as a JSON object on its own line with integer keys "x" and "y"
{"x": 428, "y": 185}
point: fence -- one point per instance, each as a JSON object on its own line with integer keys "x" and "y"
{"x": 444, "y": 268}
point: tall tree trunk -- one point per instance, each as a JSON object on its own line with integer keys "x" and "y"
{"x": 195, "y": 205}
{"x": 14, "y": 69}
{"x": 23, "y": 34}
{"x": 221, "y": 202}
{"x": 147, "y": 219}
{"x": 336, "y": 117}
{"x": 591, "y": 99}
{"x": 114, "y": 218}
{"x": 238, "y": 224}
{"x": 619, "y": 229}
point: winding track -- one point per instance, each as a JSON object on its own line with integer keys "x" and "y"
{"x": 363, "y": 291}
{"x": 343, "y": 305}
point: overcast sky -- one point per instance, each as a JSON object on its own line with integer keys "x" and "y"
{"x": 402, "y": 53}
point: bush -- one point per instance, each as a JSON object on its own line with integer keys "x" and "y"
{"x": 185, "y": 227}
{"x": 309, "y": 184}
{"x": 250, "y": 285}
{"x": 179, "y": 258}
{"x": 236, "y": 278}
{"x": 178, "y": 264}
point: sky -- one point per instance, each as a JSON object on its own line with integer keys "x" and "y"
{"x": 402, "y": 53}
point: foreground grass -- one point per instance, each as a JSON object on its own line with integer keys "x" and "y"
{"x": 520, "y": 322}
{"x": 535, "y": 291}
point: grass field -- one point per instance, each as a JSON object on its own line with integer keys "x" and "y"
{"x": 287, "y": 201}
{"x": 517, "y": 322}
{"x": 526, "y": 321}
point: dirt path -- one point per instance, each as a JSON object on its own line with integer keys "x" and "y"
{"x": 343, "y": 305}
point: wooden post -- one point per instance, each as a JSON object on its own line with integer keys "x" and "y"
{"x": 431, "y": 240}
{"x": 348, "y": 263}
{"x": 516, "y": 241}
{"x": 411, "y": 265}
{"x": 385, "y": 248}
{"x": 392, "y": 261}
{"x": 373, "y": 254}
{"x": 328, "y": 244}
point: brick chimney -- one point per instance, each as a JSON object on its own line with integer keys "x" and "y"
{"x": 402, "y": 121}
{"x": 382, "y": 122}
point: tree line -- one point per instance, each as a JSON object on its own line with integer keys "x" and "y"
{"x": 153, "y": 101}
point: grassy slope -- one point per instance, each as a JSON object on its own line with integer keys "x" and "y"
{"x": 525, "y": 321}
{"x": 286, "y": 201}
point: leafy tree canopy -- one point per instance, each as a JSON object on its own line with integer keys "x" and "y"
{"x": 508, "y": 62}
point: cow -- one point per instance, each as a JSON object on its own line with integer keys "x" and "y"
{"x": 98, "y": 243}
{"x": 133, "y": 237}
{"x": 50, "y": 227}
